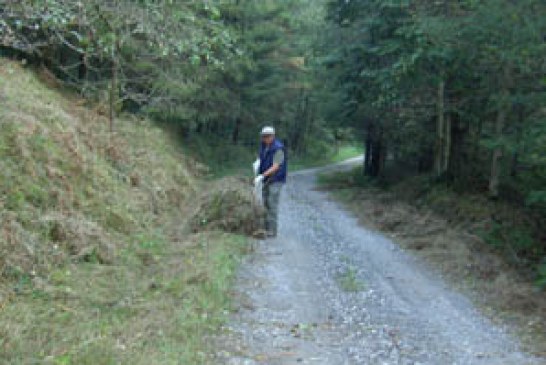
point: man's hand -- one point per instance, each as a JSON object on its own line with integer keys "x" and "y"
{"x": 258, "y": 180}
{"x": 272, "y": 170}
{"x": 256, "y": 167}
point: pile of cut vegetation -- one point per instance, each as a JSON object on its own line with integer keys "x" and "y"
{"x": 228, "y": 205}
{"x": 96, "y": 263}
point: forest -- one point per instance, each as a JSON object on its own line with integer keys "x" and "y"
{"x": 452, "y": 92}
{"x": 452, "y": 89}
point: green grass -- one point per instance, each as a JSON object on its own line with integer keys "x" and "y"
{"x": 349, "y": 282}
{"x": 344, "y": 153}
{"x": 96, "y": 264}
{"x": 135, "y": 312}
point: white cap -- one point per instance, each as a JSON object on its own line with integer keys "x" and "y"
{"x": 268, "y": 131}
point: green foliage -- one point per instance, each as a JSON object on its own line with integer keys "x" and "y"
{"x": 220, "y": 157}
{"x": 349, "y": 282}
{"x": 140, "y": 52}
{"x": 516, "y": 239}
{"x": 453, "y": 89}
{"x": 394, "y": 56}
{"x": 216, "y": 68}
{"x": 537, "y": 198}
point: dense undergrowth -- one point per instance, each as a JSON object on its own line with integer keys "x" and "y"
{"x": 221, "y": 157}
{"x": 97, "y": 261}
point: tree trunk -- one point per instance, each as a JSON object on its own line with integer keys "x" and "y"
{"x": 494, "y": 179}
{"x": 447, "y": 143}
{"x": 497, "y": 154}
{"x": 368, "y": 151}
{"x": 304, "y": 118}
{"x": 519, "y": 136}
{"x": 236, "y": 130}
{"x": 377, "y": 155}
{"x": 458, "y": 140}
{"x": 82, "y": 68}
{"x": 440, "y": 131}
{"x": 375, "y": 164}
{"x": 382, "y": 157}
{"x": 309, "y": 122}
{"x": 199, "y": 127}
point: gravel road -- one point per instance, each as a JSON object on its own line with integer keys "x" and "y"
{"x": 328, "y": 291}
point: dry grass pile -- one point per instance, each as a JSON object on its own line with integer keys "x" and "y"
{"x": 228, "y": 205}
{"x": 71, "y": 238}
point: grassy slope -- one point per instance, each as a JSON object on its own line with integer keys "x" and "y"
{"x": 96, "y": 265}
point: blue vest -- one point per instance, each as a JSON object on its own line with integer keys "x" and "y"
{"x": 266, "y": 161}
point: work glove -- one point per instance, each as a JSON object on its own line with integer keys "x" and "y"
{"x": 258, "y": 180}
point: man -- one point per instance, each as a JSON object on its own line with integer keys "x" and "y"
{"x": 272, "y": 173}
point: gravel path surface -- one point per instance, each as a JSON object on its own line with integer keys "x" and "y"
{"x": 328, "y": 291}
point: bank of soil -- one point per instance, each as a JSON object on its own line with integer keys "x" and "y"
{"x": 329, "y": 291}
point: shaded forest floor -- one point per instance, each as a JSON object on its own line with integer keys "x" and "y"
{"x": 457, "y": 236}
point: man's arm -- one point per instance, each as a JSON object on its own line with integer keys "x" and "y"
{"x": 278, "y": 159}
{"x": 272, "y": 170}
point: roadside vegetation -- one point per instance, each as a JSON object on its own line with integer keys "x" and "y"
{"x": 480, "y": 245}
{"x": 98, "y": 260}
{"x": 449, "y": 97}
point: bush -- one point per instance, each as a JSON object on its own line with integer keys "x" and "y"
{"x": 517, "y": 239}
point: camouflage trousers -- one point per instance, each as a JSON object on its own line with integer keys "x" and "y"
{"x": 271, "y": 196}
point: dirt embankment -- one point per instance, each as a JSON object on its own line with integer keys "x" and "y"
{"x": 456, "y": 247}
